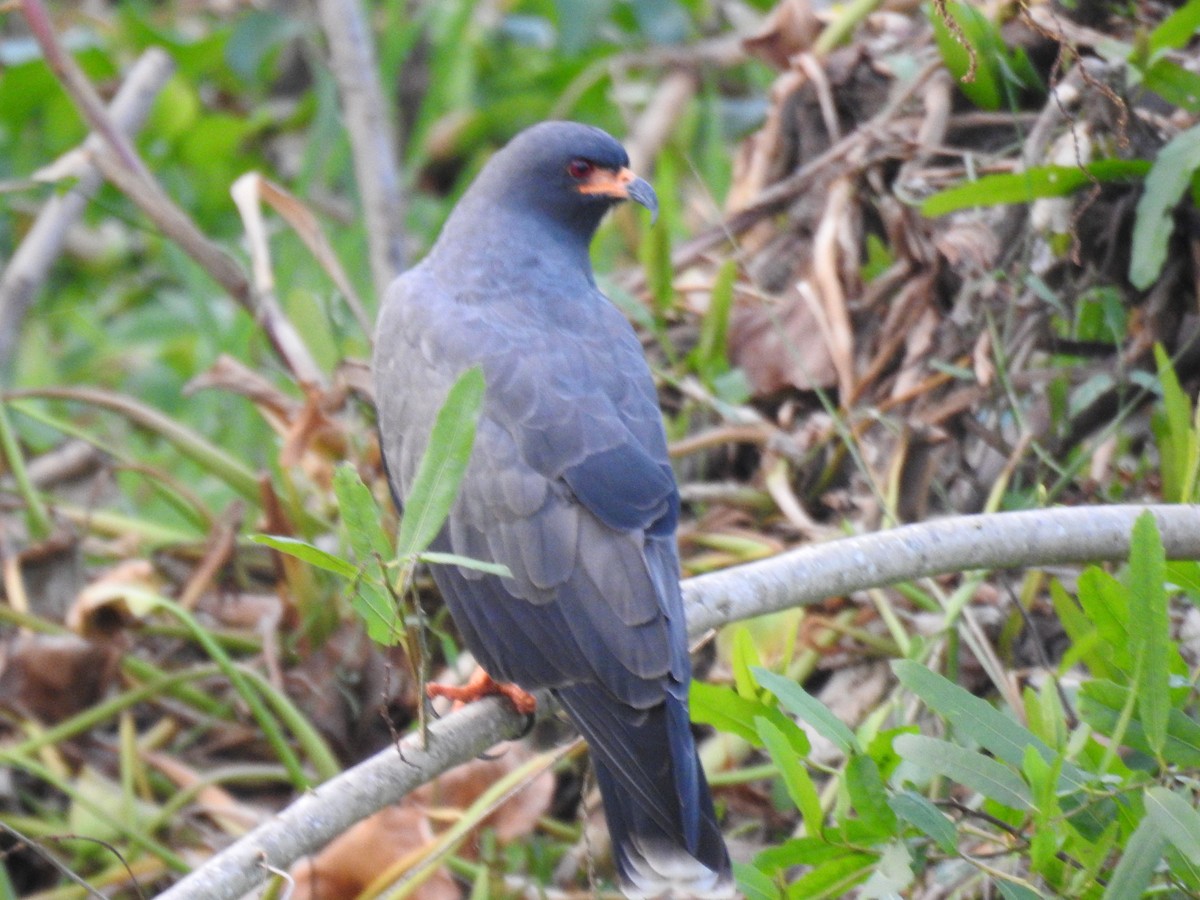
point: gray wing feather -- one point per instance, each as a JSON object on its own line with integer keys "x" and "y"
{"x": 568, "y": 475}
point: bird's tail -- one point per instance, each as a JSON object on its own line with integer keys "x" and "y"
{"x": 666, "y": 842}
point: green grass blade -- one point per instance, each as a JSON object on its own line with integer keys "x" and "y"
{"x": 317, "y": 751}
{"x": 199, "y": 449}
{"x": 266, "y": 721}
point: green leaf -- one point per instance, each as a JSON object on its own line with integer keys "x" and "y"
{"x": 1177, "y": 819}
{"x": 306, "y": 552}
{"x": 755, "y": 885}
{"x": 372, "y": 599}
{"x": 1185, "y": 575}
{"x": 1136, "y": 867}
{"x": 868, "y": 794}
{"x": 360, "y": 516}
{"x": 975, "y": 29}
{"x": 1031, "y": 184}
{"x": 795, "y": 777}
{"x": 1100, "y": 705}
{"x": 442, "y": 466}
{"x": 1002, "y": 736}
{"x": 1176, "y": 29}
{"x": 1085, "y": 644}
{"x": 802, "y": 851}
{"x": 1010, "y": 890}
{"x": 808, "y": 708}
{"x": 834, "y": 878}
{"x": 919, "y": 812}
{"x": 967, "y": 767}
{"x": 464, "y": 562}
{"x": 728, "y": 711}
{"x": 1106, "y": 602}
{"x": 1149, "y": 629}
{"x": 1174, "y": 84}
{"x": 1154, "y": 221}
{"x": 744, "y": 659}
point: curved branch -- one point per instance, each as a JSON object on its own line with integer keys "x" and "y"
{"x": 798, "y": 578}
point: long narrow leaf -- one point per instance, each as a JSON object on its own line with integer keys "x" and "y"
{"x": 372, "y": 548}
{"x": 804, "y": 706}
{"x": 1031, "y": 184}
{"x": 1149, "y": 629}
{"x": 1176, "y": 29}
{"x": 1177, "y": 819}
{"x": 996, "y": 732}
{"x": 1100, "y": 705}
{"x": 443, "y": 465}
{"x": 1132, "y": 875}
{"x": 796, "y": 779}
{"x": 306, "y": 552}
{"x": 968, "y": 767}
{"x": 920, "y": 812}
{"x": 1154, "y": 221}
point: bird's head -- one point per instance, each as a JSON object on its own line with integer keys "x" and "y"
{"x": 568, "y": 172}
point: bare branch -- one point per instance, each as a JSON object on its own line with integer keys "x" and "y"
{"x": 81, "y": 90}
{"x": 798, "y": 578}
{"x": 372, "y": 137}
{"x": 119, "y": 163}
{"x": 30, "y": 264}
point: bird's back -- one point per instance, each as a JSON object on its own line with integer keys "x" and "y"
{"x": 569, "y": 485}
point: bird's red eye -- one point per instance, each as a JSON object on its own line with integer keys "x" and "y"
{"x": 580, "y": 169}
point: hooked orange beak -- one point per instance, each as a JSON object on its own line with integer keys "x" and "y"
{"x": 623, "y": 185}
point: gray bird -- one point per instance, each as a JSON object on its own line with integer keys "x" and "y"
{"x": 569, "y": 486}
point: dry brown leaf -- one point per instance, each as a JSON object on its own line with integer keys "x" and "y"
{"x": 780, "y": 346}
{"x": 349, "y": 863}
{"x": 981, "y": 360}
{"x": 52, "y": 677}
{"x": 104, "y": 606}
{"x": 790, "y": 29}
{"x": 349, "y": 686}
{"x": 355, "y": 858}
{"x": 918, "y": 342}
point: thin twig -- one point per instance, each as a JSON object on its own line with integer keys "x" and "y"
{"x": 79, "y": 87}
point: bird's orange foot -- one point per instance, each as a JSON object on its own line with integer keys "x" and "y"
{"x": 480, "y": 685}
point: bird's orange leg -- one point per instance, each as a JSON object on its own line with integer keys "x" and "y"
{"x": 480, "y": 685}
